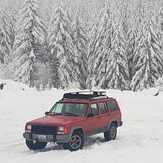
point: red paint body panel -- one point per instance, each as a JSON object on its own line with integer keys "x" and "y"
{"x": 87, "y": 124}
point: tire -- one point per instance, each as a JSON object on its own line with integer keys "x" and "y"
{"x": 35, "y": 145}
{"x": 76, "y": 142}
{"x": 111, "y": 134}
{"x": 64, "y": 145}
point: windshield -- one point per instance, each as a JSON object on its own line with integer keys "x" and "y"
{"x": 69, "y": 109}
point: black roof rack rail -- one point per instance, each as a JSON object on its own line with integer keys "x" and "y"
{"x": 84, "y": 94}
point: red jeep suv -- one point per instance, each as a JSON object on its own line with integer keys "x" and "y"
{"x": 73, "y": 118}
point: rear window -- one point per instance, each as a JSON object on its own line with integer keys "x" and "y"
{"x": 112, "y": 105}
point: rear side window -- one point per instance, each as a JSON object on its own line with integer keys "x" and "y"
{"x": 94, "y": 109}
{"x": 112, "y": 105}
{"x": 102, "y": 108}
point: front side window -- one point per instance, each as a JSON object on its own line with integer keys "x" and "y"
{"x": 72, "y": 109}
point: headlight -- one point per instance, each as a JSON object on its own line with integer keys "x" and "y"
{"x": 28, "y": 128}
{"x": 62, "y": 130}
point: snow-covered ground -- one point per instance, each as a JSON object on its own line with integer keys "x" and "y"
{"x": 140, "y": 139}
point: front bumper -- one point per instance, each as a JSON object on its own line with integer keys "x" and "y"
{"x": 47, "y": 138}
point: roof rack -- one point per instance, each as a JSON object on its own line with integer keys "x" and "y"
{"x": 85, "y": 95}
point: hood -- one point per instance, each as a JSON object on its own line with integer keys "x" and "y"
{"x": 55, "y": 120}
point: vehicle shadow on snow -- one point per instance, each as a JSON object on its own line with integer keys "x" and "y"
{"x": 94, "y": 140}
{"x": 89, "y": 142}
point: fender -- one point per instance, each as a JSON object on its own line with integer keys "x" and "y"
{"x": 66, "y": 138}
{"x": 76, "y": 128}
{"x": 109, "y": 124}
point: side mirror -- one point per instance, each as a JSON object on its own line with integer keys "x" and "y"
{"x": 90, "y": 115}
{"x": 46, "y": 113}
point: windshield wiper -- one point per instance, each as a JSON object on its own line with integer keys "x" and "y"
{"x": 58, "y": 113}
{"x": 49, "y": 113}
{"x": 53, "y": 114}
{"x": 66, "y": 114}
{"x": 70, "y": 114}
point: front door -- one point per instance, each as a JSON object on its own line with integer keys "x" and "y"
{"x": 91, "y": 122}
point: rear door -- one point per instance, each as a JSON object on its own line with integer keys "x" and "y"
{"x": 104, "y": 116}
{"x": 114, "y": 110}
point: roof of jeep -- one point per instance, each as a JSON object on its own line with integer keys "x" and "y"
{"x": 85, "y": 97}
{"x": 85, "y": 100}
{"x": 102, "y": 99}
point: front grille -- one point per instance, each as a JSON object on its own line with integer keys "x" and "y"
{"x": 44, "y": 130}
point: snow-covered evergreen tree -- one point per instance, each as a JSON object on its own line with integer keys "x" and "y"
{"x": 100, "y": 49}
{"x": 30, "y": 34}
{"x": 117, "y": 70}
{"x": 3, "y": 46}
{"x": 53, "y": 65}
{"x": 110, "y": 60}
{"x": 160, "y": 24}
{"x": 127, "y": 33}
{"x": 148, "y": 58}
{"x": 91, "y": 50}
{"x": 62, "y": 46}
{"x": 81, "y": 42}
{"x": 7, "y": 35}
{"x": 104, "y": 49}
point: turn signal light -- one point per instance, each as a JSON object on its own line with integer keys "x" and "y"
{"x": 62, "y": 130}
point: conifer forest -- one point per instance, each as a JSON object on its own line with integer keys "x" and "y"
{"x": 106, "y": 44}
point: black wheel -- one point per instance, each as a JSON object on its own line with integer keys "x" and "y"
{"x": 35, "y": 145}
{"x": 65, "y": 146}
{"x": 76, "y": 142}
{"x": 111, "y": 133}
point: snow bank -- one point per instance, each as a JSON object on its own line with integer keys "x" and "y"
{"x": 13, "y": 86}
{"x": 140, "y": 139}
